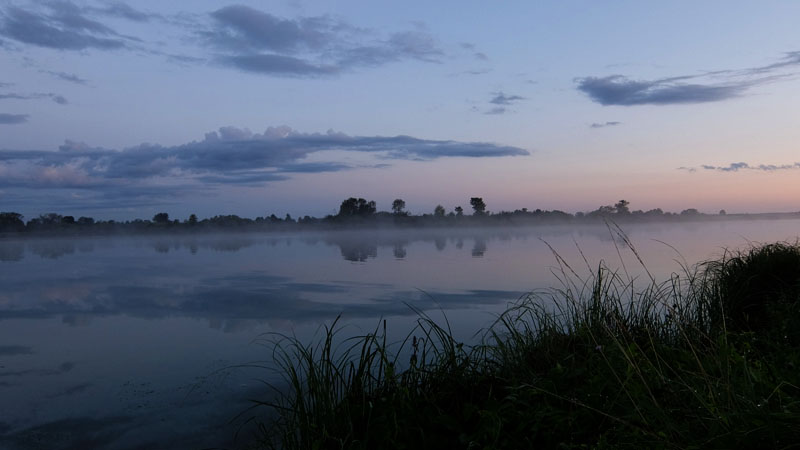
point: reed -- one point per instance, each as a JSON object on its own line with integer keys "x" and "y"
{"x": 706, "y": 359}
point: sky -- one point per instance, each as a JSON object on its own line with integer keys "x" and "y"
{"x": 119, "y": 110}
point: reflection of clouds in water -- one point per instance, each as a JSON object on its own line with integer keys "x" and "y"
{"x": 77, "y": 320}
{"x": 51, "y": 249}
{"x": 73, "y": 293}
{"x": 11, "y": 251}
{"x": 193, "y": 430}
{"x": 14, "y": 350}
{"x": 195, "y": 415}
{"x": 72, "y": 433}
{"x": 61, "y": 369}
{"x": 237, "y": 302}
{"x": 72, "y": 390}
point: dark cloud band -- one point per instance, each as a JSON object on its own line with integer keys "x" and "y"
{"x": 686, "y": 89}
{"x": 256, "y": 41}
{"x": 743, "y": 166}
{"x": 62, "y": 26}
{"x": 604, "y": 124}
{"x": 12, "y": 119}
{"x": 622, "y": 91}
{"x": 227, "y": 156}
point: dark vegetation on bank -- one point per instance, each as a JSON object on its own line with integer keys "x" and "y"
{"x": 706, "y": 359}
{"x": 354, "y": 213}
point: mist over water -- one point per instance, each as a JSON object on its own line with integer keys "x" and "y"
{"x": 125, "y": 342}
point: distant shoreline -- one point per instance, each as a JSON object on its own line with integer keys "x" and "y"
{"x": 57, "y": 225}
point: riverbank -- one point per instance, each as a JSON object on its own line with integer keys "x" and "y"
{"x": 706, "y": 359}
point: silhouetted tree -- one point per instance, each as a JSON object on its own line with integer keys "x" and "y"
{"x": 603, "y": 211}
{"x": 398, "y": 205}
{"x": 622, "y": 207}
{"x": 192, "y": 219}
{"x": 459, "y": 211}
{"x": 690, "y": 212}
{"x": 722, "y": 212}
{"x": 357, "y": 207}
{"x": 11, "y": 221}
{"x": 161, "y": 218}
{"x": 439, "y": 211}
{"x": 654, "y": 212}
{"x": 85, "y": 220}
{"x": 478, "y": 205}
{"x": 50, "y": 218}
{"x": 68, "y": 220}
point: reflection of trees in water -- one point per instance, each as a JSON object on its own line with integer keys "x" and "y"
{"x": 358, "y": 251}
{"x": 77, "y": 320}
{"x": 479, "y": 248}
{"x": 459, "y": 243}
{"x": 400, "y": 250}
{"x": 440, "y": 242}
{"x": 52, "y": 249}
{"x": 233, "y": 244}
{"x": 11, "y": 251}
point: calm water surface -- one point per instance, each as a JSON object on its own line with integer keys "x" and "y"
{"x": 138, "y": 342}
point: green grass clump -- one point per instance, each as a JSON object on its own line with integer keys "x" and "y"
{"x": 706, "y": 359}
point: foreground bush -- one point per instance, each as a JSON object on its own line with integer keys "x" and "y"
{"x": 707, "y": 359}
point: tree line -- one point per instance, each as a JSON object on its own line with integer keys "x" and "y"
{"x": 352, "y": 211}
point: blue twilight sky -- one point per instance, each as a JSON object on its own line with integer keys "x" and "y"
{"x": 121, "y": 110}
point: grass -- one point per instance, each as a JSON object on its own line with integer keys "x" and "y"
{"x": 706, "y": 359}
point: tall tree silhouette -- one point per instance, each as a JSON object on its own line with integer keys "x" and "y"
{"x": 353, "y": 207}
{"x": 478, "y": 205}
{"x": 398, "y": 205}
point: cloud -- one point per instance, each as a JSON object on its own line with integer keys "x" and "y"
{"x": 64, "y": 26}
{"x": 705, "y": 87}
{"x": 241, "y": 27}
{"x": 619, "y": 90}
{"x": 735, "y": 167}
{"x": 256, "y": 41}
{"x": 496, "y": 111}
{"x": 54, "y": 97}
{"x": 500, "y": 98}
{"x": 276, "y": 65}
{"x": 470, "y": 47}
{"x": 124, "y": 11}
{"x": 72, "y": 78}
{"x": 471, "y": 72}
{"x": 603, "y": 125}
{"x": 227, "y": 156}
{"x": 743, "y": 166}
{"x": 12, "y": 119}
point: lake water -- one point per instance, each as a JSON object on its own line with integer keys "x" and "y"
{"x": 142, "y": 341}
